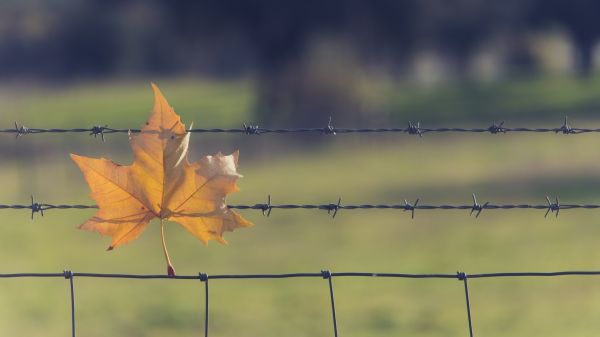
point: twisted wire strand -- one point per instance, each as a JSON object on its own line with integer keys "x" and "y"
{"x": 412, "y": 128}
{"x": 552, "y": 206}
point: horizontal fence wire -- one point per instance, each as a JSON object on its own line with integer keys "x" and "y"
{"x": 411, "y": 129}
{"x": 551, "y": 206}
{"x": 325, "y": 274}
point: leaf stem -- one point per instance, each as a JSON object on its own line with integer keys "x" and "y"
{"x": 170, "y": 269}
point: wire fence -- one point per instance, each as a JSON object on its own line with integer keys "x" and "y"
{"x": 325, "y": 274}
{"x": 248, "y": 129}
{"x": 475, "y": 208}
{"x": 552, "y": 206}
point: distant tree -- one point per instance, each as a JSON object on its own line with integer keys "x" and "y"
{"x": 278, "y": 33}
{"x": 85, "y": 44}
{"x": 580, "y": 20}
{"x": 459, "y": 27}
{"x": 272, "y": 38}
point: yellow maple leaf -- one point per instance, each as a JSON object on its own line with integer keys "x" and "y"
{"x": 161, "y": 183}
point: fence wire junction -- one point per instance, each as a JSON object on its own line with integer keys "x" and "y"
{"x": 248, "y": 129}
{"x": 325, "y": 274}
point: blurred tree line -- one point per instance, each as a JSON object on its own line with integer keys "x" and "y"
{"x": 303, "y": 53}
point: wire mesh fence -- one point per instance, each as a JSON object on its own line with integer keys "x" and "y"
{"x": 327, "y": 275}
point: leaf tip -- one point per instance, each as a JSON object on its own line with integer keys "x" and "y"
{"x": 74, "y": 157}
{"x": 155, "y": 88}
{"x": 236, "y": 155}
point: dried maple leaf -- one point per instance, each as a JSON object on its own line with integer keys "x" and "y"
{"x": 161, "y": 183}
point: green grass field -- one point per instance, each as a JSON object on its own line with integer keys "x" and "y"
{"x": 360, "y": 168}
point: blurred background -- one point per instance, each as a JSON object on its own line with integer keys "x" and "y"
{"x": 378, "y": 63}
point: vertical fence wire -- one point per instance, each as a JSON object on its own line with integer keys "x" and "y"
{"x": 327, "y": 275}
{"x": 69, "y": 276}
{"x": 204, "y": 279}
{"x": 463, "y": 277}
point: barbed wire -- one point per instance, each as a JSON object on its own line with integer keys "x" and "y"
{"x": 551, "y": 206}
{"x": 475, "y": 208}
{"x": 249, "y": 129}
{"x": 325, "y": 274}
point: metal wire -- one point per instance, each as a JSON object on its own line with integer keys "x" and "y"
{"x": 69, "y": 276}
{"x": 266, "y": 208}
{"x": 325, "y": 274}
{"x": 455, "y": 276}
{"x": 463, "y": 277}
{"x": 328, "y": 276}
{"x": 475, "y": 208}
{"x": 204, "y": 278}
{"x": 247, "y": 129}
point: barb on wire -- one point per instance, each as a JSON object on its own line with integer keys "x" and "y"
{"x": 266, "y": 208}
{"x": 333, "y": 208}
{"x": 413, "y": 129}
{"x": 98, "y": 130}
{"x": 497, "y": 128}
{"x": 411, "y": 207}
{"x": 249, "y": 129}
{"x": 20, "y": 130}
{"x": 36, "y": 207}
{"x": 329, "y": 129}
{"x": 566, "y": 128}
{"x": 477, "y": 207}
{"x": 553, "y": 206}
